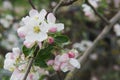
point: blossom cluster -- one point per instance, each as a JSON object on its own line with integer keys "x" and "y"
{"x": 16, "y": 62}
{"x": 40, "y": 29}
{"x": 35, "y": 27}
{"x": 65, "y": 62}
{"x": 87, "y": 9}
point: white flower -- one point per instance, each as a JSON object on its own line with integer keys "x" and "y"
{"x": 117, "y": 29}
{"x": 34, "y": 14}
{"x": 83, "y": 45}
{"x": 53, "y": 27}
{"x": 65, "y": 62}
{"x": 7, "y": 5}
{"x": 34, "y": 29}
{"x": 10, "y": 59}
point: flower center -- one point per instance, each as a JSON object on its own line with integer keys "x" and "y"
{"x": 36, "y": 17}
{"x": 36, "y": 29}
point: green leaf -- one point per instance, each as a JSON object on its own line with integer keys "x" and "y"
{"x": 28, "y": 51}
{"x": 40, "y": 63}
{"x": 61, "y": 39}
{"x": 42, "y": 55}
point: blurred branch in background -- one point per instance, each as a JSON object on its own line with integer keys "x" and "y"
{"x": 97, "y": 13}
{"x": 82, "y": 59}
{"x": 32, "y": 5}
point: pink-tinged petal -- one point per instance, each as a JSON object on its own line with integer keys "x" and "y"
{"x": 53, "y": 29}
{"x": 29, "y": 44}
{"x": 56, "y": 67}
{"x": 33, "y": 12}
{"x": 74, "y": 63}
{"x": 50, "y": 40}
{"x": 64, "y": 58}
{"x": 17, "y": 75}
{"x": 51, "y": 18}
{"x": 60, "y": 26}
{"x": 50, "y": 62}
{"x": 40, "y": 45}
{"x": 22, "y": 32}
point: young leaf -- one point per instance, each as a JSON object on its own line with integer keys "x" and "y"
{"x": 28, "y": 51}
{"x": 61, "y": 39}
{"x": 42, "y": 55}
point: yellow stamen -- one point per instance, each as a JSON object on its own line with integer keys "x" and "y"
{"x": 36, "y": 29}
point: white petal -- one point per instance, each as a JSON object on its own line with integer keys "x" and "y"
{"x": 51, "y": 18}
{"x": 33, "y": 12}
{"x": 44, "y": 27}
{"x": 32, "y": 37}
{"x": 64, "y": 67}
{"x": 74, "y": 63}
{"x": 42, "y": 14}
{"x": 60, "y": 26}
{"x": 16, "y": 50}
{"x": 42, "y": 36}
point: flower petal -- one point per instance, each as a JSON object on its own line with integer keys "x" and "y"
{"x": 60, "y": 26}
{"x": 74, "y": 63}
{"x": 33, "y": 12}
{"x": 51, "y": 18}
{"x": 42, "y": 14}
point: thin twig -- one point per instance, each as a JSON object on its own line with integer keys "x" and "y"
{"x": 30, "y": 62}
{"x": 69, "y": 2}
{"x": 28, "y": 68}
{"x": 57, "y": 6}
{"x": 31, "y": 4}
{"x": 82, "y": 59}
{"x": 99, "y": 15}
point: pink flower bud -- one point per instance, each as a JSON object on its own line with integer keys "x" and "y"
{"x": 50, "y": 40}
{"x": 71, "y": 54}
{"x": 53, "y": 29}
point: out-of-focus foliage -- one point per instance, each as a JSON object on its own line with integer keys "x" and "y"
{"x": 102, "y": 64}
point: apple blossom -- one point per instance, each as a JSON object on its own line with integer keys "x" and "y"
{"x": 64, "y": 62}
{"x": 11, "y": 59}
{"x": 33, "y": 29}
{"x": 53, "y": 27}
{"x": 83, "y": 45}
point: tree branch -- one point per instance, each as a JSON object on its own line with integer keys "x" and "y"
{"x": 82, "y": 59}
{"x": 69, "y": 2}
{"x": 99, "y": 15}
{"x": 28, "y": 68}
{"x": 31, "y": 4}
{"x": 57, "y": 6}
{"x": 30, "y": 63}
